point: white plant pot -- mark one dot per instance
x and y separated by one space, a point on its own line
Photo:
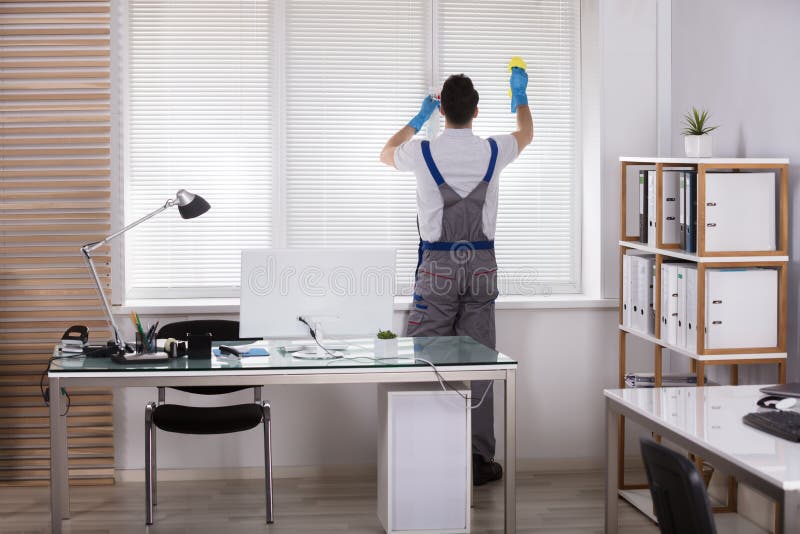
386 348
697 146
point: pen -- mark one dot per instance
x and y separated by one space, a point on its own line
138 324
152 337
150 333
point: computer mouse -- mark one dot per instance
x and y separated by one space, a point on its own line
225 349
786 404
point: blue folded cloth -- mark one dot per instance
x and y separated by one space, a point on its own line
253 351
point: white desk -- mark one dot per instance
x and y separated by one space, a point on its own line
457 358
708 422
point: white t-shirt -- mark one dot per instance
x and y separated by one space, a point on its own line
463 159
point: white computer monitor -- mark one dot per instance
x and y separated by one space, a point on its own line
344 292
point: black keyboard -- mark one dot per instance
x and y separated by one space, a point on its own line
784 424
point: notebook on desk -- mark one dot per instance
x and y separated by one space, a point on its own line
251 351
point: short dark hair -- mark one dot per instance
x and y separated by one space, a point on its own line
459 99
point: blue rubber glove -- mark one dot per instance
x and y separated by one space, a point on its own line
519 84
429 105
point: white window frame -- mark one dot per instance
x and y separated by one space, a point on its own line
120 157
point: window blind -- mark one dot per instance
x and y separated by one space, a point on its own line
199 112
355 74
538 220
203 85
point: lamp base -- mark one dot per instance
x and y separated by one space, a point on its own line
105 351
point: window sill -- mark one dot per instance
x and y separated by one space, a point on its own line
217 306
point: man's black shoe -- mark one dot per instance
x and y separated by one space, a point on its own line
484 471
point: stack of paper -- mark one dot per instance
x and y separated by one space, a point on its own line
648 380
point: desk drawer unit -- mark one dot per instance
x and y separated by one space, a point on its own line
424 459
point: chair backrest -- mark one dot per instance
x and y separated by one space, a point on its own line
679 495
220 329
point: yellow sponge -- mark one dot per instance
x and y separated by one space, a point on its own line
517 61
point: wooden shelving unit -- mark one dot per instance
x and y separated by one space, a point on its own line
701 356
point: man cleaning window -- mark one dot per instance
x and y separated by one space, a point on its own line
457 195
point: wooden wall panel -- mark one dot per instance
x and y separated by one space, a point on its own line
55 195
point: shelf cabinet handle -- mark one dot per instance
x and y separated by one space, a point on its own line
711 225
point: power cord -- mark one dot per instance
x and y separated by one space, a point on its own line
443 383
314 337
46 391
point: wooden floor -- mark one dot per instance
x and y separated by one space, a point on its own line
559 503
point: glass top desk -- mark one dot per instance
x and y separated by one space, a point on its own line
707 421
455 358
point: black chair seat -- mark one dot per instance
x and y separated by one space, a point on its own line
214 420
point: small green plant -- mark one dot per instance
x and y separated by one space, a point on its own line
386 334
695 123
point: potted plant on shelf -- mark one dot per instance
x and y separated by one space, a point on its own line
386 344
697 141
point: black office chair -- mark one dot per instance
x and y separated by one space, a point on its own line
204 420
679 495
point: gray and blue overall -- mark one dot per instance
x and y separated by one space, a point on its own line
456 285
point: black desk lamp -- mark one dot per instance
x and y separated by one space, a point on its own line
189 206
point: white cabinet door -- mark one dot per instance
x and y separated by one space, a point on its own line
740 211
741 308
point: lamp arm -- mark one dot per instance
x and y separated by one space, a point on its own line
87 250
91 247
106 306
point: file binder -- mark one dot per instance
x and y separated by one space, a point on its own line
741 308
641 294
652 224
643 206
691 308
681 317
646 266
670 208
740 211
682 208
689 236
651 319
641 288
626 290
669 303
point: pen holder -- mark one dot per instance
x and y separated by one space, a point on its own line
199 346
141 345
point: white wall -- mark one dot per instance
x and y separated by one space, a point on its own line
738 59
628 46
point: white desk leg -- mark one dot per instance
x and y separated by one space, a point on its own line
59 477
790 512
511 451
612 444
